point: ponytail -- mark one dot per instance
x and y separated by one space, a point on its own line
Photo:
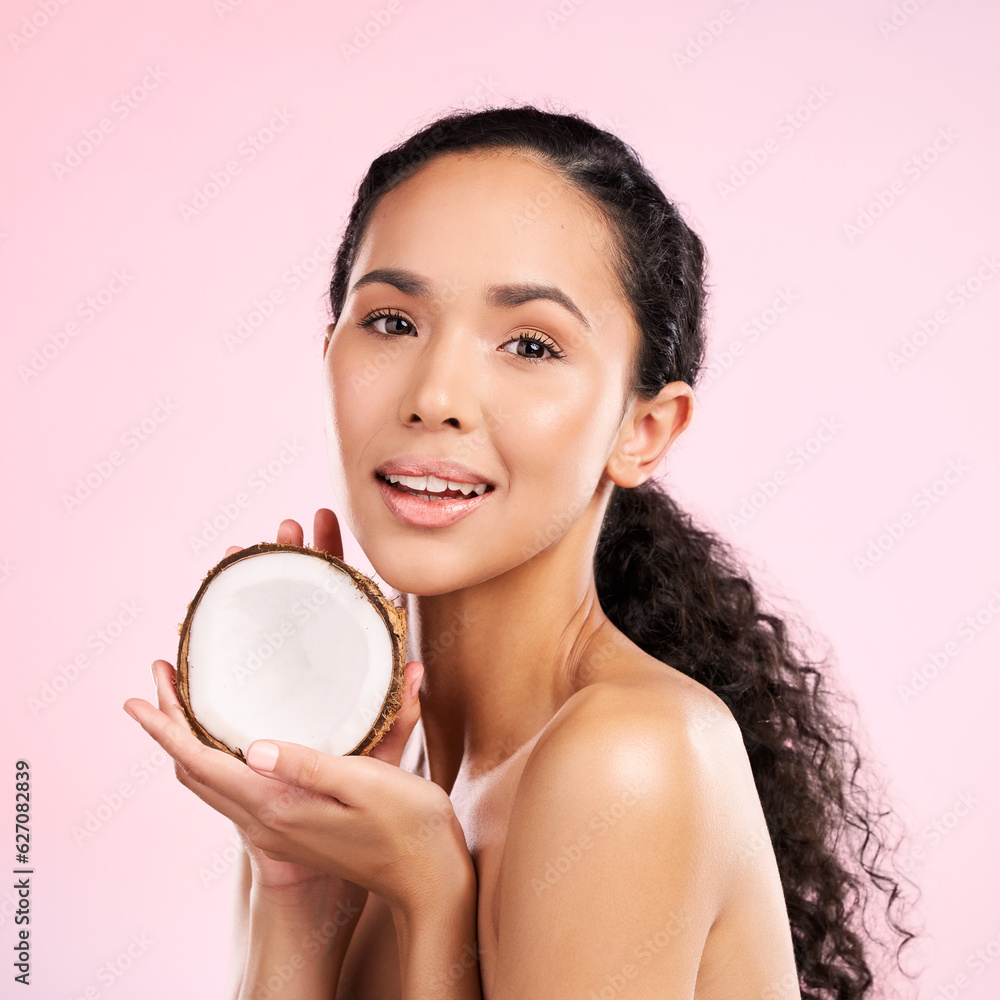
678 592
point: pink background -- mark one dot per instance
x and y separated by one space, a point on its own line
208 76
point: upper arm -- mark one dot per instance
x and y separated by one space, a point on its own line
614 866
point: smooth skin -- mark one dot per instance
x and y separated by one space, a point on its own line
605 799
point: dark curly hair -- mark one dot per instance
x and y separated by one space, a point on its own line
677 590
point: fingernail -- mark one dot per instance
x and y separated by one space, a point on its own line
130 712
152 670
262 755
415 685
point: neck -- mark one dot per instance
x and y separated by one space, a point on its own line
501 657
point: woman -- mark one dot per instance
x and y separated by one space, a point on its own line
618 778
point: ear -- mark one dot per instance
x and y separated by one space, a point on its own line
326 339
647 431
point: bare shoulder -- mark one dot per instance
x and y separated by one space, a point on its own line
638 701
623 830
646 733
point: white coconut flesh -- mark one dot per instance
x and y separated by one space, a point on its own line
284 645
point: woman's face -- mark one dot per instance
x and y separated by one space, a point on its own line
453 375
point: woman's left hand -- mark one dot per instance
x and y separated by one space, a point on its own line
358 818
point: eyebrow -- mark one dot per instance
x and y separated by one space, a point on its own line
507 296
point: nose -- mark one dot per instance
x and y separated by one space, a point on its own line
442 386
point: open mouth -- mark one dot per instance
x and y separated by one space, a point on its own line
450 491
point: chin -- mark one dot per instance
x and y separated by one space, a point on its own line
415 572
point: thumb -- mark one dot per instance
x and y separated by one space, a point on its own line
390 747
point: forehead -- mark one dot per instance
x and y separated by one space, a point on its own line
470 219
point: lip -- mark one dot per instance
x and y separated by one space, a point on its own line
410 509
419 465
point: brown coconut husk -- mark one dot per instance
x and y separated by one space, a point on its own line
395 622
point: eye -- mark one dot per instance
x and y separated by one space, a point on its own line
537 344
534 352
387 314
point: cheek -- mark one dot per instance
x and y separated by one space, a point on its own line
557 451
357 385
351 413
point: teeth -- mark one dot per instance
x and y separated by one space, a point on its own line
435 485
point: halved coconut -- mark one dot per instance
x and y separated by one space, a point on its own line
290 643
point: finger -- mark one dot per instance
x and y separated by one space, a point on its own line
217 778
326 533
165 679
290 532
390 747
192 756
343 780
237 784
198 763
232 549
